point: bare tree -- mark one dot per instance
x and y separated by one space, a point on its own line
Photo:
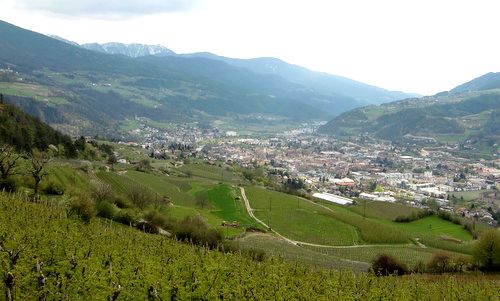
8 161
202 200
140 196
101 191
38 162
112 160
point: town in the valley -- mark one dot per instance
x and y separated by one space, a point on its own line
341 170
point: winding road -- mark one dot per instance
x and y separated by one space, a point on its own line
302 243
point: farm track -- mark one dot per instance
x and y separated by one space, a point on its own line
302 243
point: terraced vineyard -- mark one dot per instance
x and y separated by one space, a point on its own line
408 254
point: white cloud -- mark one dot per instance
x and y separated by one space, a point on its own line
107 9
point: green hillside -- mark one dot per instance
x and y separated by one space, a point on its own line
25 132
449 117
57 256
322 82
485 82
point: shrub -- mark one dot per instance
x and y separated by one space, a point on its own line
471 227
121 202
197 231
419 267
126 217
8 184
385 265
101 192
86 167
256 254
447 216
252 253
106 209
461 263
487 250
144 165
83 207
158 219
440 263
53 188
413 216
140 196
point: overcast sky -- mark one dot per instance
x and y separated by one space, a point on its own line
421 46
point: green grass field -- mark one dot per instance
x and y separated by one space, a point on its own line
37 92
66 175
211 172
468 195
372 230
435 226
298 219
435 232
226 206
118 183
383 210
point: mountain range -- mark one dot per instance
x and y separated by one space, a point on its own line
82 91
130 50
322 82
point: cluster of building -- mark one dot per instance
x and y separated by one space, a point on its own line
374 170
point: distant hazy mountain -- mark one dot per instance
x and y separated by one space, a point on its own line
63 40
485 82
321 82
130 50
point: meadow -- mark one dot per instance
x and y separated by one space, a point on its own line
383 210
298 219
211 172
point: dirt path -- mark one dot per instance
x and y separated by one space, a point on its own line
296 242
250 212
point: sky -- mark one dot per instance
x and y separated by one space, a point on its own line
418 46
